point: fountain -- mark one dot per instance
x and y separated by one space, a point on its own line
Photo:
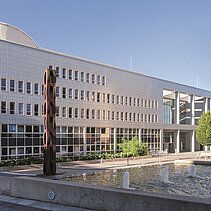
126 180
192 170
164 175
171 179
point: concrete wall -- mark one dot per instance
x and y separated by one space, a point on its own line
102 198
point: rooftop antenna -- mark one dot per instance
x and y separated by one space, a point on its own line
197 81
130 63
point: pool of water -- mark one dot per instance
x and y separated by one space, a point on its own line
147 178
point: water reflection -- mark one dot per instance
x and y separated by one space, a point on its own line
147 178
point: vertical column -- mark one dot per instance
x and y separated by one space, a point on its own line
0 141
206 148
84 137
192 104
161 139
193 141
177 107
178 141
139 135
205 104
115 140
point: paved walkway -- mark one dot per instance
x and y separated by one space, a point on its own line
74 168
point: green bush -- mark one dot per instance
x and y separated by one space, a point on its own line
133 147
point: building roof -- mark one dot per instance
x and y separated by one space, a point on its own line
13 34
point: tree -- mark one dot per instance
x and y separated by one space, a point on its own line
203 132
133 147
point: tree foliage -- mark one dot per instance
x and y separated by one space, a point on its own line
133 147
203 132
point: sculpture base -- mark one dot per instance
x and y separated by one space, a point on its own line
49 165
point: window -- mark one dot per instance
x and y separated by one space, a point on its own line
70 112
3 107
76 75
93 114
112 99
82 76
64 112
130 116
98 114
28 87
82 113
142 117
12 85
3 84
20 86
76 94
82 95
76 112
112 115
98 79
145 103
63 92
12 107
103 81
138 118
42 89
87 77
130 101
93 96
64 73
125 116
134 117
103 97
98 97
57 111
126 101
109 115
70 74
71 93
104 115
57 91
28 109
36 109
20 108
117 116
87 113
36 88
138 102
93 78
108 98
134 101
87 95
57 72
121 116
117 99
142 103
122 100
12 128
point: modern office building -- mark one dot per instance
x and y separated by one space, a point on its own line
97 104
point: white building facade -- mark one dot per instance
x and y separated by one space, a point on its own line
97 104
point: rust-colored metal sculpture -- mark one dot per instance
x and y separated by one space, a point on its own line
49 138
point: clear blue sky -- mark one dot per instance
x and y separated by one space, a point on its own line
169 39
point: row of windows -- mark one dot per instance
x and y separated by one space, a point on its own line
19 86
80 76
34 109
10 108
69 112
104 98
